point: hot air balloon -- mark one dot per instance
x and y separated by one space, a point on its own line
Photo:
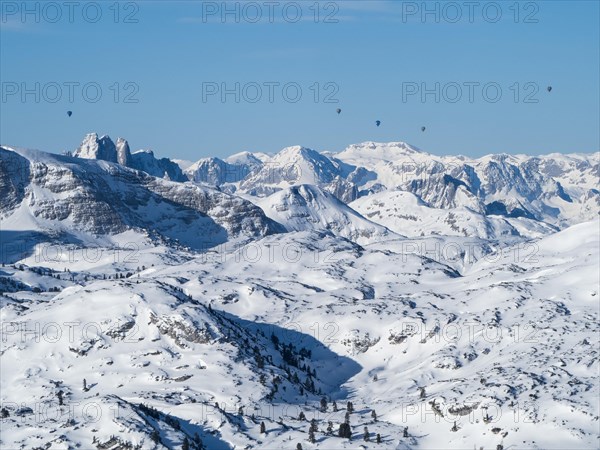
423 129
69 113
378 122
549 88
339 110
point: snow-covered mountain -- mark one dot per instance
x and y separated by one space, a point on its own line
556 189
298 165
252 161
380 297
217 172
507 185
306 207
559 190
54 195
103 148
405 213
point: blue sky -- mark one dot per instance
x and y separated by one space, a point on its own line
364 54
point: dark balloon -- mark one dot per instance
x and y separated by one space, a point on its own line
69 113
378 122
339 110
423 129
549 88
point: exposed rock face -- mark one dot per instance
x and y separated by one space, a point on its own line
105 149
183 331
123 152
300 165
556 189
217 172
14 177
545 188
68 194
342 189
93 147
145 161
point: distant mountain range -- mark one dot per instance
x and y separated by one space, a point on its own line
363 193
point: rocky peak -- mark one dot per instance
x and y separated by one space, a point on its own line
93 147
123 152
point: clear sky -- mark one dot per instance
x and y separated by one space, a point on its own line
374 57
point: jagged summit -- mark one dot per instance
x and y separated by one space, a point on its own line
123 152
555 189
93 147
105 149
92 198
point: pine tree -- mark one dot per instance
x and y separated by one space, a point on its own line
198 441
375 377
366 437
59 394
263 428
374 415
185 445
350 407
85 385
323 404
329 427
378 439
345 431
454 427
299 447
311 436
313 425
405 433
335 407
155 436
301 416
275 340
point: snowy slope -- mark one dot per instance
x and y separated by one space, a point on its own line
306 207
57 194
217 172
506 349
298 165
406 214
553 188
